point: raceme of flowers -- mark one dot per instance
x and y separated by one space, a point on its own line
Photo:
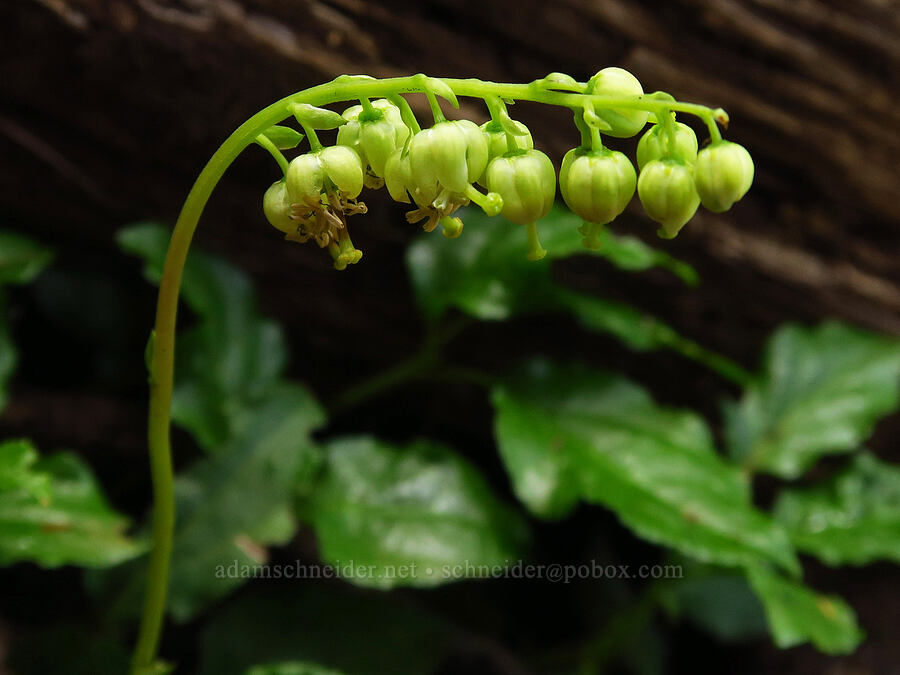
441 168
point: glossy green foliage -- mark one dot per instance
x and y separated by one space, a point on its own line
233 504
568 433
53 513
414 516
419 515
489 278
231 358
232 396
854 518
720 601
820 392
21 260
797 614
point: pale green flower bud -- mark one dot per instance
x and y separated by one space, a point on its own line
374 139
655 145
397 175
618 82
497 139
526 180
453 153
401 182
309 175
666 190
596 185
723 174
277 207
498 143
477 156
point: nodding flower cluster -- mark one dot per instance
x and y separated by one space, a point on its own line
436 169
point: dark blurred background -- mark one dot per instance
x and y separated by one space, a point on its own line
109 109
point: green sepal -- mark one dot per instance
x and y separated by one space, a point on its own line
559 82
440 88
283 138
317 118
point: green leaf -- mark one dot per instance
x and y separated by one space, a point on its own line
569 432
8 353
284 138
409 516
317 118
21 258
232 358
17 471
852 519
333 625
232 504
630 326
442 89
291 668
821 391
718 600
53 513
797 614
488 276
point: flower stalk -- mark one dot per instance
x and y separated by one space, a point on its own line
554 90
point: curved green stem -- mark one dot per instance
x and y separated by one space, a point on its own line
596 141
436 111
730 370
583 130
311 136
406 113
263 141
535 250
420 365
367 106
163 361
667 121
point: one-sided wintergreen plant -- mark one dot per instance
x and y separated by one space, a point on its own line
380 142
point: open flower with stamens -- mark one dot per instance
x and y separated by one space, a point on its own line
437 168
435 204
319 191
